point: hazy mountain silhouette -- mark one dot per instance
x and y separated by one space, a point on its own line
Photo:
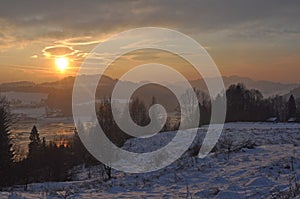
268 88
60 92
295 92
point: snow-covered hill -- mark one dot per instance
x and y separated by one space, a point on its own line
268 167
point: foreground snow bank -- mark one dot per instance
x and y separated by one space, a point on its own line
270 170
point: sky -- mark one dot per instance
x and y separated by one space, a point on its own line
256 39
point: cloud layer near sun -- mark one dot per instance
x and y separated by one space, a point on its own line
247 38
58 51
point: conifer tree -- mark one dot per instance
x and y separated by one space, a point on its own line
35 143
291 106
6 152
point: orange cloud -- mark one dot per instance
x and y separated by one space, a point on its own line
58 51
80 41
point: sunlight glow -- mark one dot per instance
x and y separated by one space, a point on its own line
62 63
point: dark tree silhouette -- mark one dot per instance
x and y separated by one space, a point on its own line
138 112
291 107
108 123
155 120
81 154
249 105
6 151
35 143
236 103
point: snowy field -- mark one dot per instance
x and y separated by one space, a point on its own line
266 164
25 98
39 112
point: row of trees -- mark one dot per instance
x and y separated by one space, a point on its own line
139 114
45 161
242 105
250 105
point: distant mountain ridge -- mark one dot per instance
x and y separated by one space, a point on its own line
268 88
295 92
60 92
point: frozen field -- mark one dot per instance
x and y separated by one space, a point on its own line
268 167
25 98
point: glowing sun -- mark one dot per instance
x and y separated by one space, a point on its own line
62 63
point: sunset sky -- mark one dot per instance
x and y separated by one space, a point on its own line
256 39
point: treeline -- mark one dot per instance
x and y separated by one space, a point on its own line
249 105
139 113
46 160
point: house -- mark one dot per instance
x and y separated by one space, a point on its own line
292 120
272 119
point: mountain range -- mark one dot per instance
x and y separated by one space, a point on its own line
60 92
267 88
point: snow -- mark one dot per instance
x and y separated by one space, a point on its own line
25 98
268 170
39 112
